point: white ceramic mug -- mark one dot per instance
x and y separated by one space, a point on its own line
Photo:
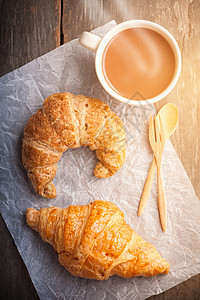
98 45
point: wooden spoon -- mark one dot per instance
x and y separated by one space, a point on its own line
169 115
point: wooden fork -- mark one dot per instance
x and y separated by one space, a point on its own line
157 142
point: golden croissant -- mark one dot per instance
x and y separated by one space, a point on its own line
94 241
68 121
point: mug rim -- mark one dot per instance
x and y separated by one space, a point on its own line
137 24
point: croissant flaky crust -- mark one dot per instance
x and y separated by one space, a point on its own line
69 121
94 241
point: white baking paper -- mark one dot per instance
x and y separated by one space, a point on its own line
71 68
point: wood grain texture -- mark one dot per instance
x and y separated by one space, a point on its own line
31 28
188 290
15 282
184 23
28 29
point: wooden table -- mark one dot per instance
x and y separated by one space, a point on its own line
30 28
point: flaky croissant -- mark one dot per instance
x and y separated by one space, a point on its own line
94 241
69 121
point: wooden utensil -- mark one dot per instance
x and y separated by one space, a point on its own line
169 114
157 142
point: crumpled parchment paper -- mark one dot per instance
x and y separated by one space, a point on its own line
71 68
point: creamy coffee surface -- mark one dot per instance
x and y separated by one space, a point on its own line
138 63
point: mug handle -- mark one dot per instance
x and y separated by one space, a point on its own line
89 40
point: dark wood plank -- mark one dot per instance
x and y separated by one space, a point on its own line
15 282
28 29
188 290
82 15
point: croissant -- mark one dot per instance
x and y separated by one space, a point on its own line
69 121
93 241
